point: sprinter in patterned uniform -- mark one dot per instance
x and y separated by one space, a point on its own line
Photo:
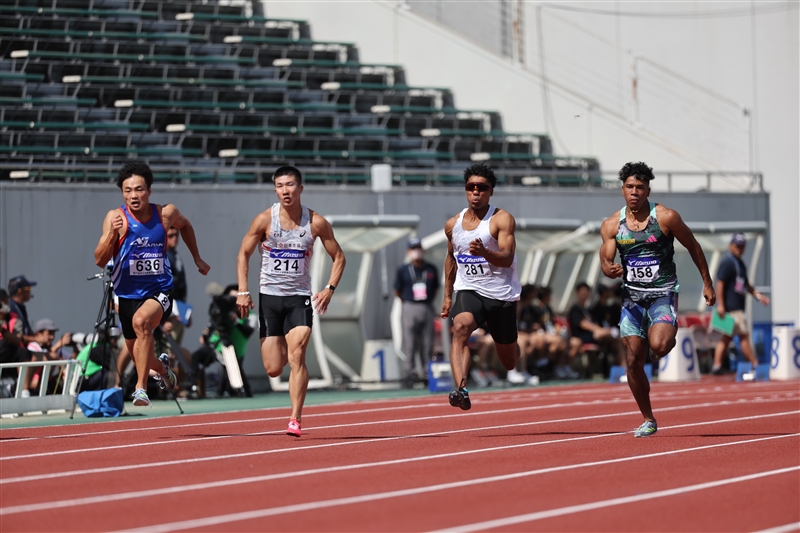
285 235
644 232
135 237
481 267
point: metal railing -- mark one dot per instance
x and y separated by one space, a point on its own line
676 180
43 402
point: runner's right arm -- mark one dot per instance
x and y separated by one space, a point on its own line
608 232
112 226
256 234
450 269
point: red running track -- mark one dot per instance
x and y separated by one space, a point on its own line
726 458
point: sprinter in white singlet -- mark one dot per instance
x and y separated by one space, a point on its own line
481 267
285 235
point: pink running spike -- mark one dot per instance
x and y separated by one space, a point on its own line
294 428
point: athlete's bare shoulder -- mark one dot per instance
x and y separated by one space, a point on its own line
610 225
261 224
502 220
319 224
668 219
450 224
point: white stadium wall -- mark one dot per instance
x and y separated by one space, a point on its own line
697 66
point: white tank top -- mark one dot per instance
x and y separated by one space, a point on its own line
475 273
286 257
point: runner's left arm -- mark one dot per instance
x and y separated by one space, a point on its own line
326 237
172 217
506 242
673 222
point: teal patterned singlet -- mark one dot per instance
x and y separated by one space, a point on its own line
647 258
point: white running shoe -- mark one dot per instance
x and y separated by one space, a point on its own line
515 377
479 377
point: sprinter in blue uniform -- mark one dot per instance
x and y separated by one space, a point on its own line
135 239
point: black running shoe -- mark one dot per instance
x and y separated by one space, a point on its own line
460 398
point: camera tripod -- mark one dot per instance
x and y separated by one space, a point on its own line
106 320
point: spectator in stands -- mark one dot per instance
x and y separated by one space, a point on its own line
607 311
11 349
587 331
732 286
43 349
552 339
19 290
416 284
484 359
527 337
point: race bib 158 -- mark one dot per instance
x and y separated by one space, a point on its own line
642 269
285 262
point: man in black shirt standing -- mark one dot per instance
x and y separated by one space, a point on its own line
732 285
416 285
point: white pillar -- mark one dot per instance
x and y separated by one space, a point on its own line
785 353
681 363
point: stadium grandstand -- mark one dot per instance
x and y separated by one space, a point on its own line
206 92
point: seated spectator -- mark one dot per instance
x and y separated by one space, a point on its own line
527 337
484 359
586 331
11 349
607 311
43 349
551 341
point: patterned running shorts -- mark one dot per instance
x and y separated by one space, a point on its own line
638 316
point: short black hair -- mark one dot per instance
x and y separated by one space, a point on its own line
582 285
135 168
482 171
638 169
544 292
3 295
288 170
527 291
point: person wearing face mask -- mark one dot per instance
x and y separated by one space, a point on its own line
733 286
416 284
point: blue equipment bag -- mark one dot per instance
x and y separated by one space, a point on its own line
106 402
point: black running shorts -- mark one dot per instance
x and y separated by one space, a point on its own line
129 306
277 315
497 316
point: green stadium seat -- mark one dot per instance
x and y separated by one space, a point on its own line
110 35
22 54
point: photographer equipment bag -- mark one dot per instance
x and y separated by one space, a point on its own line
97 403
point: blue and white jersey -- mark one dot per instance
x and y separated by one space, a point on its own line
286 257
141 268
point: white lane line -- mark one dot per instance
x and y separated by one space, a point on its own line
220 422
572 509
379 422
480 398
782 529
92 500
310 506
103 470
317 428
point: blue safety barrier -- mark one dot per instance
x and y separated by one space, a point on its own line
618 372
